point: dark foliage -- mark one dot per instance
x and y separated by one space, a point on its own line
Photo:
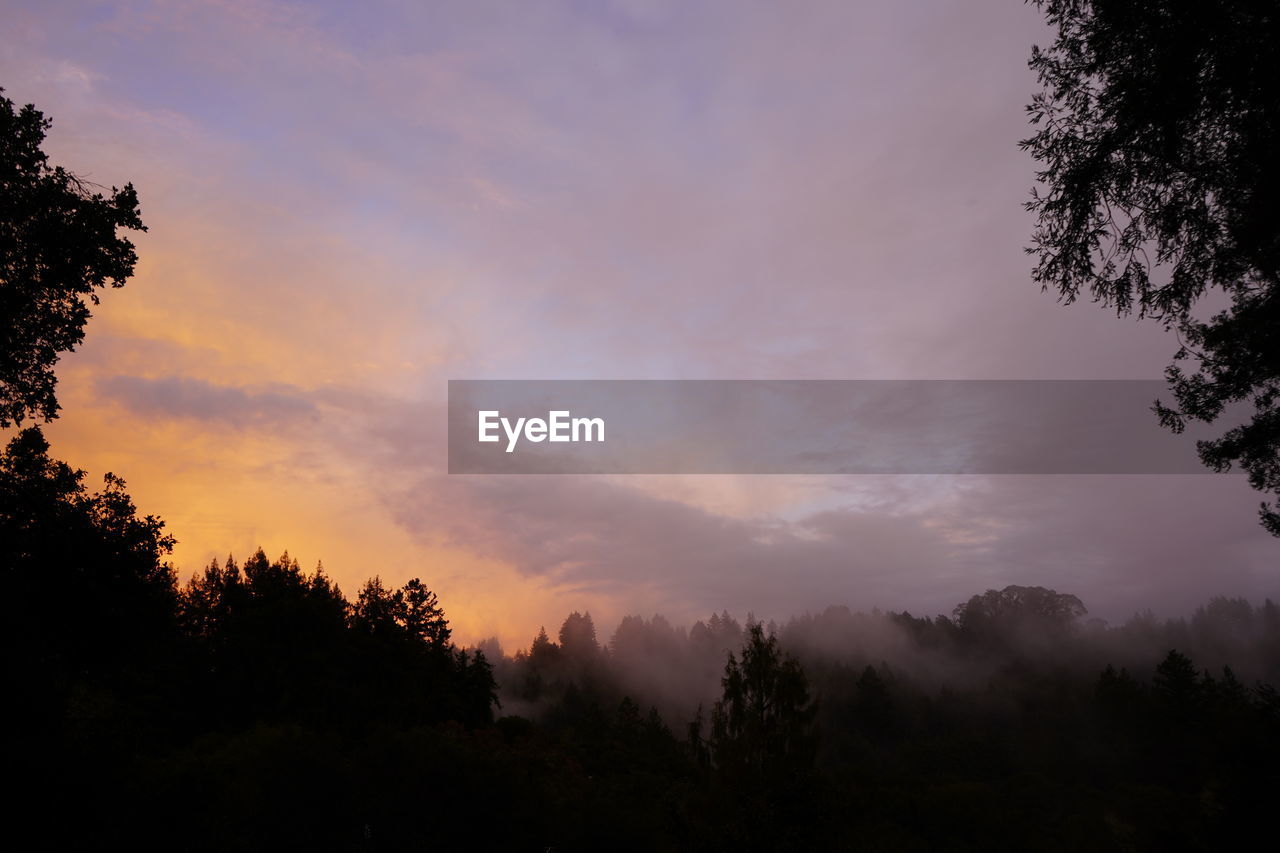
58 246
232 713
257 708
1158 130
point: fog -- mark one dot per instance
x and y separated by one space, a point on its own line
985 645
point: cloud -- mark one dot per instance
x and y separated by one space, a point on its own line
175 397
348 208
1122 543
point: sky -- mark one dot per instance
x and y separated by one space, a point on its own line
350 204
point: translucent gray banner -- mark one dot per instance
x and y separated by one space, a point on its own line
812 427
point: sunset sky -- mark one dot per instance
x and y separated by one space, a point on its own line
350 204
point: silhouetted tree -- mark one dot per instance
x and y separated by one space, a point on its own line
1018 612
378 611
86 574
1159 135
412 612
423 616
762 744
92 645
543 652
762 723
58 247
874 705
578 637
273 640
1178 685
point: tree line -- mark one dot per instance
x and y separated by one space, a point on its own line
256 707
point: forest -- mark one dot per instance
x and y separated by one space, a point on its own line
256 706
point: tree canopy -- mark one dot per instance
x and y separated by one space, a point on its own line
762 722
1158 132
59 245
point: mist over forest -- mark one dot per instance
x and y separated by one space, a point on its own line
260 703
985 641
721 216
